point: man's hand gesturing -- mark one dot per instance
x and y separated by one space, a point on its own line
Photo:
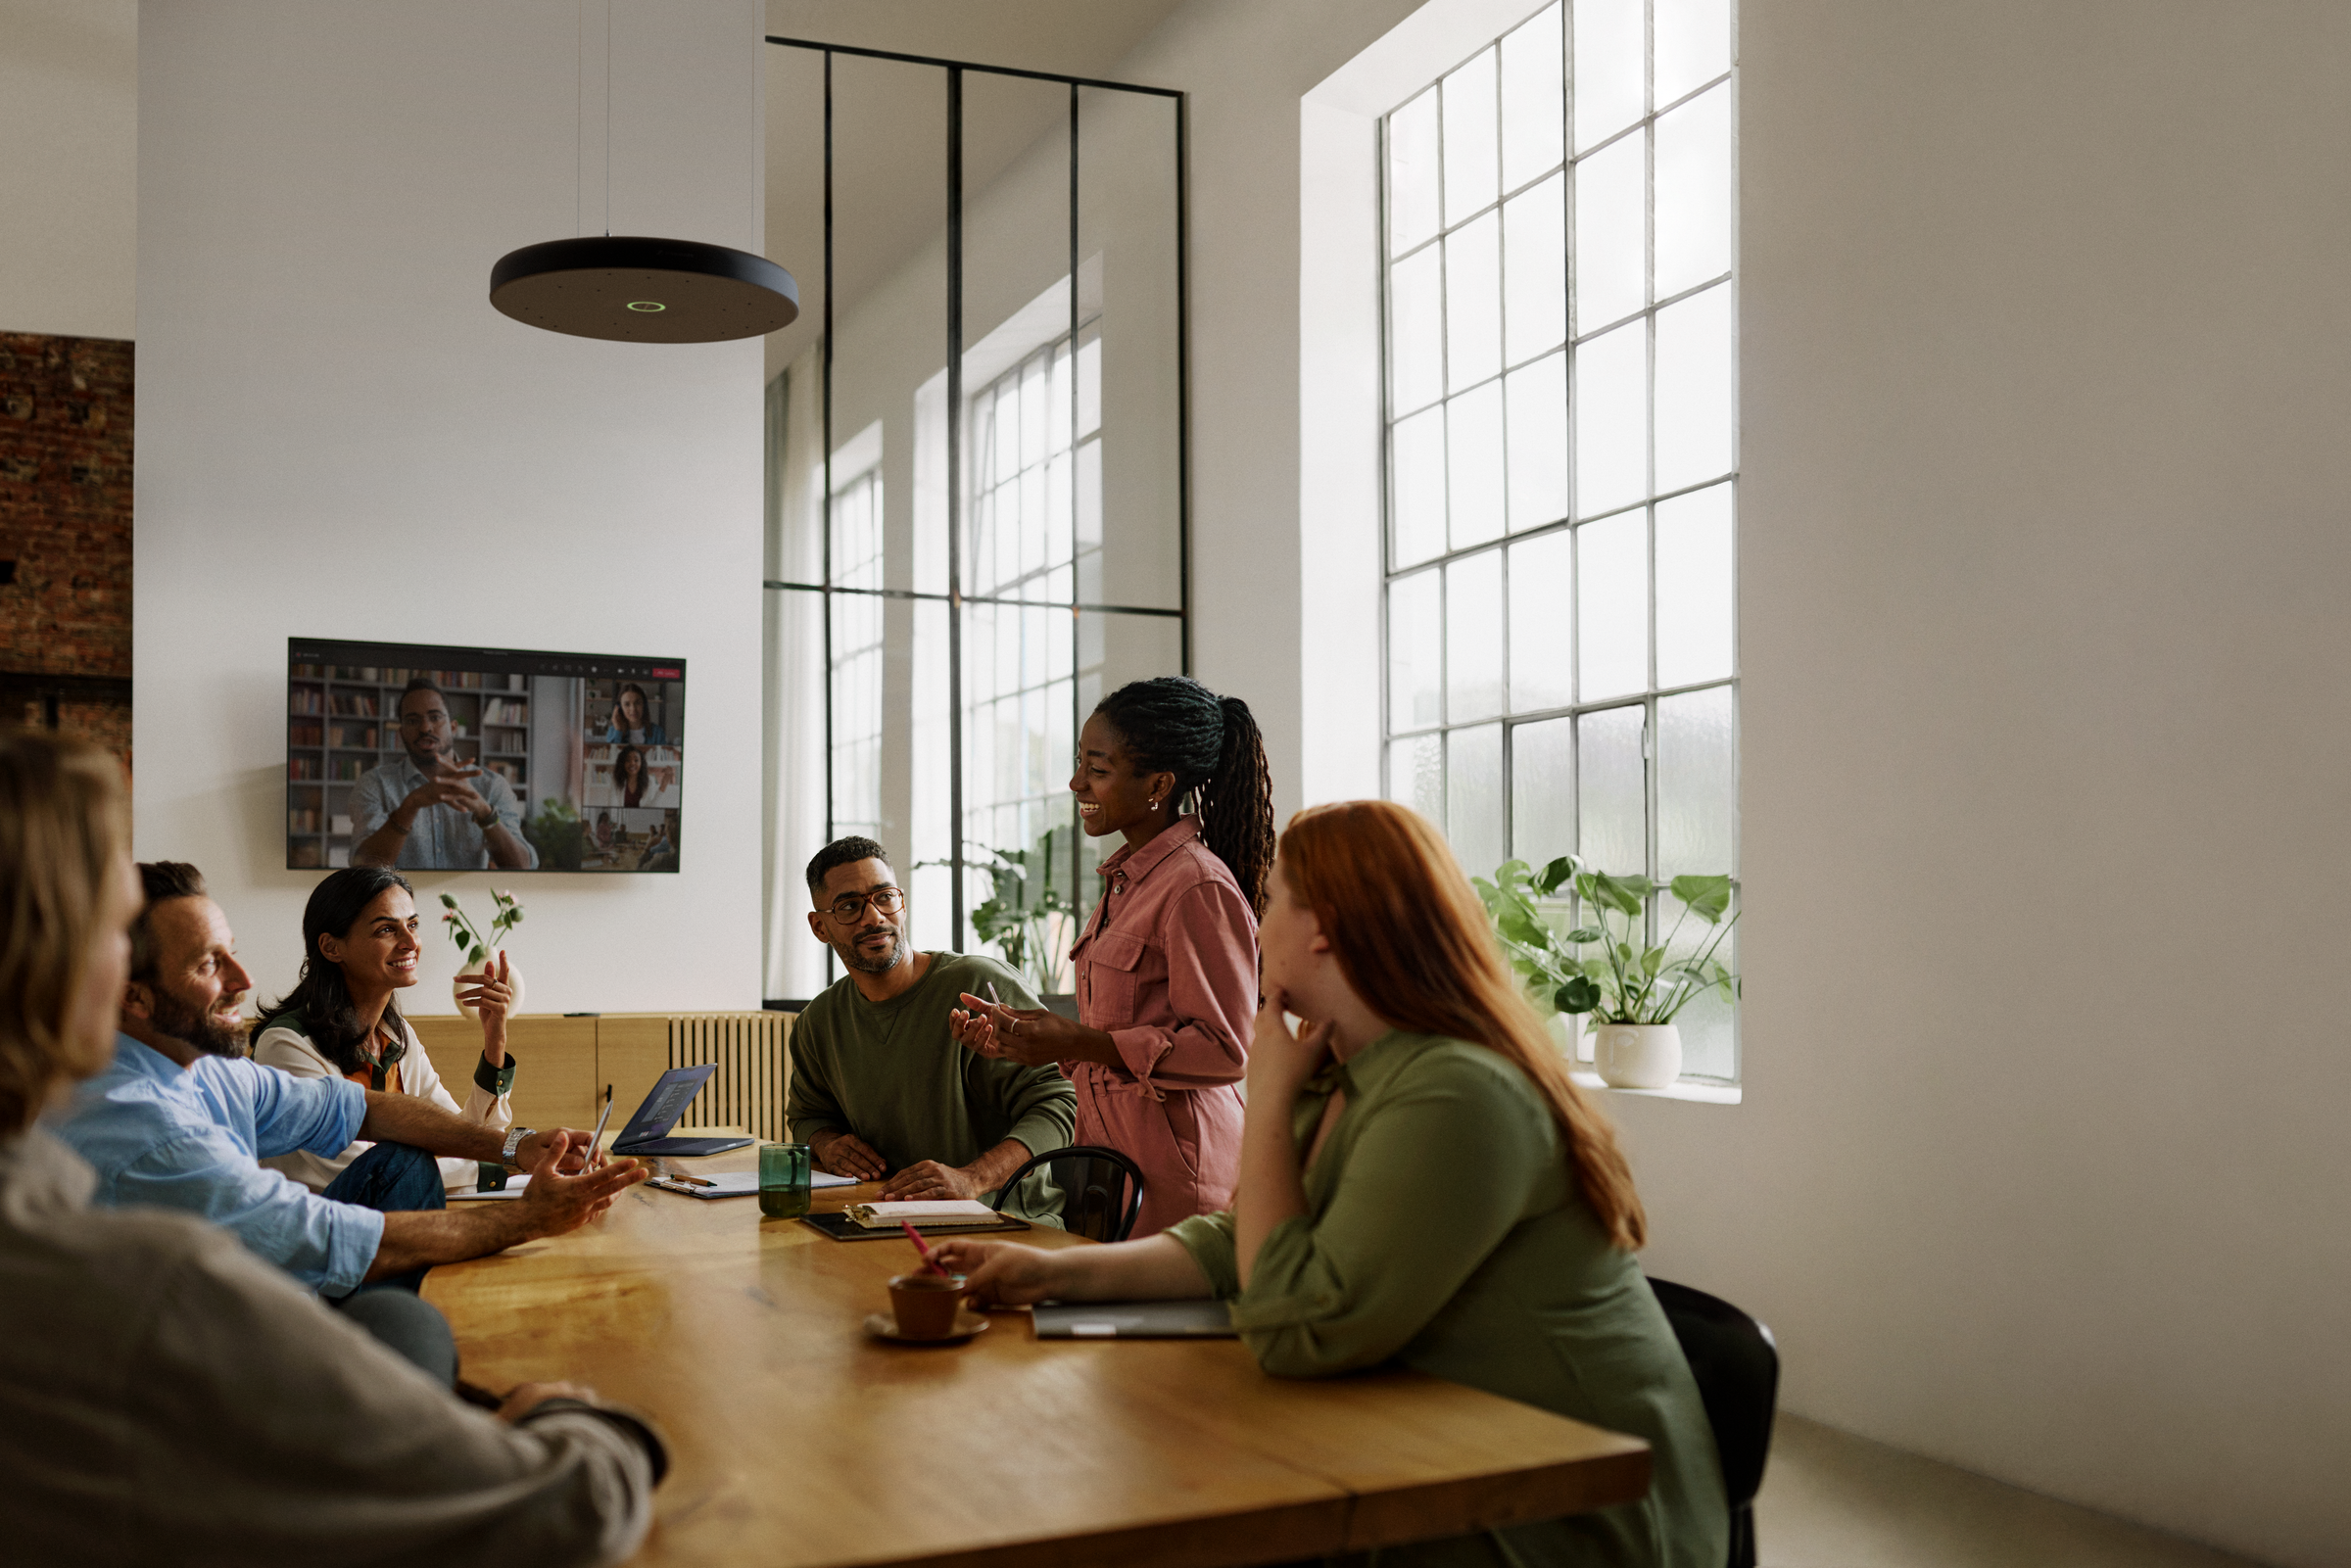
448 785
555 1203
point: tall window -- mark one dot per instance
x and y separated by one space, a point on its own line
856 656
976 478
1562 452
1037 484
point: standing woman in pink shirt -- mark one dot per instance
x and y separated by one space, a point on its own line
1167 967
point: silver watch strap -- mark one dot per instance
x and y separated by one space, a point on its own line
515 1137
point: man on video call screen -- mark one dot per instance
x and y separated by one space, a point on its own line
427 758
427 810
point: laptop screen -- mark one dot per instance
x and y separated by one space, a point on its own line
668 1102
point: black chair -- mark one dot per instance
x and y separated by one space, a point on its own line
1101 1190
1737 1365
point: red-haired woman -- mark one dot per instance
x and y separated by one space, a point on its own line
1422 1183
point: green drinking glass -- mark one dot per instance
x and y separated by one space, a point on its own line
783 1180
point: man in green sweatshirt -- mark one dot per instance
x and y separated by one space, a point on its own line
879 1088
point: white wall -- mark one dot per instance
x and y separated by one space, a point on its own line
2041 1165
69 176
339 437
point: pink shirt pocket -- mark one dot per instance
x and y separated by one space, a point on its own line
1108 982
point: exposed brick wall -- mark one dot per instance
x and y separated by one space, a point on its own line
66 430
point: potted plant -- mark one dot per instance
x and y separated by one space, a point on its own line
1535 939
1631 990
480 951
1032 920
559 833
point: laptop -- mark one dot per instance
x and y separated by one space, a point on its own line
1133 1320
648 1131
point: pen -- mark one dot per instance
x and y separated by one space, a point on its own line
931 1263
694 1180
596 1141
1014 1027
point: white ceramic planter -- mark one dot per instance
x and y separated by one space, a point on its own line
456 986
1638 1055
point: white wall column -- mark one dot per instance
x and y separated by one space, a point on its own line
339 437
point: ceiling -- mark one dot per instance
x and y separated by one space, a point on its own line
1074 37
890 122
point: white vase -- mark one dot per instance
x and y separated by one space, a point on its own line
1638 1055
456 986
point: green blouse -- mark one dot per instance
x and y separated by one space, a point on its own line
1444 1231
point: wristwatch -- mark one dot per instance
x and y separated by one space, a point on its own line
515 1137
487 820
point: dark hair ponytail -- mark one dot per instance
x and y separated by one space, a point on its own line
1173 723
321 999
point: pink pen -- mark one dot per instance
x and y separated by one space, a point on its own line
915 1236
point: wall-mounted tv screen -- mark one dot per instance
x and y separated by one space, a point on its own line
466 759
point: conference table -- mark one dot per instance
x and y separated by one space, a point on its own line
798 1441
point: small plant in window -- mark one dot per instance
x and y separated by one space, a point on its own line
1029 917
1625 981
1533 939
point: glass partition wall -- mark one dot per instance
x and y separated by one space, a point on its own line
976 485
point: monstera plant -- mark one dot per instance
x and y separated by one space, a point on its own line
1605 966
1030 915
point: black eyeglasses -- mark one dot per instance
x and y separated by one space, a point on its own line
848 906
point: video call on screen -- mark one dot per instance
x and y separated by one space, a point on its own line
590 748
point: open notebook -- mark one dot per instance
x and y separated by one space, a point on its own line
936 1214
879 1222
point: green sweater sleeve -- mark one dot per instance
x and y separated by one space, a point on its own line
1435 1178
1209 1239
1040 1104
809 1105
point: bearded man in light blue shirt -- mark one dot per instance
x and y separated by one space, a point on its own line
181 1120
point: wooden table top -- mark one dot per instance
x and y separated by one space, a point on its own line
799 1442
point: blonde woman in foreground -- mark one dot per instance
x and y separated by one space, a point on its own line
1422 1184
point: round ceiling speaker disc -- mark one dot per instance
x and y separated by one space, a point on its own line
636 290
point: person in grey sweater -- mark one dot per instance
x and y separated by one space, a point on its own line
166 1397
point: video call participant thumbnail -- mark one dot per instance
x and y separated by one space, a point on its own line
429 811
627 722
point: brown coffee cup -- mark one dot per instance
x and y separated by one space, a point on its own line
926 1305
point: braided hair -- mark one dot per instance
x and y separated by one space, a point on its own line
1173 723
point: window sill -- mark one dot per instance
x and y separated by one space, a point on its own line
1686 1090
